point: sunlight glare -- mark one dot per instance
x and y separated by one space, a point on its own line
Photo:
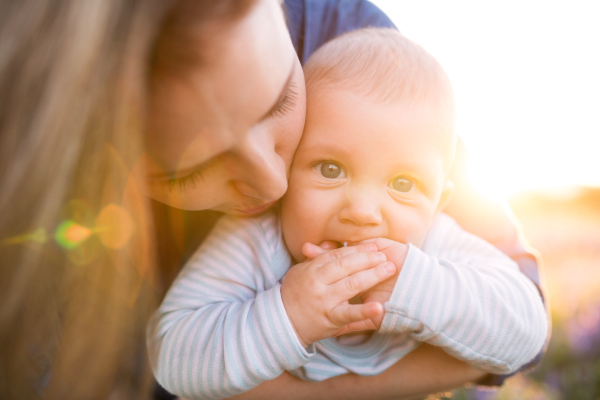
70 234
525 76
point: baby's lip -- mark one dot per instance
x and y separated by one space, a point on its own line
345 243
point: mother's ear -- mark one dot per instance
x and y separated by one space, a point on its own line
447 191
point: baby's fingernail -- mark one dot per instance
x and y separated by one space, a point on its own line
372 247
390 267
381 257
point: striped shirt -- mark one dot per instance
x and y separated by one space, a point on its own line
222 328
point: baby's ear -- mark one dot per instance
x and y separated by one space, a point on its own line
447 191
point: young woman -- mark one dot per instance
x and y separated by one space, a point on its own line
205 99
222 135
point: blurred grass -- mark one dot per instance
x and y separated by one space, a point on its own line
565 229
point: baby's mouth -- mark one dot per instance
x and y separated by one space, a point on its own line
345 243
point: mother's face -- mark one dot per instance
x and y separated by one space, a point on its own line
222 136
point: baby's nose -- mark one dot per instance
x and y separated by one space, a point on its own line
362 209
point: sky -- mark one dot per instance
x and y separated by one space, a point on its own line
526 75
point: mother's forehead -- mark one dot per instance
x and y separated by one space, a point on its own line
205 111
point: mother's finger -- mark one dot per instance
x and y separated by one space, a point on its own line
352 285
340 268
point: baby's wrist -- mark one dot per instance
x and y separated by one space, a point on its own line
291 319
302 342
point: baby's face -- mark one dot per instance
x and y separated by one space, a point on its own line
365 170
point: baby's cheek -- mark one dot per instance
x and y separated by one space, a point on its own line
295 237
409 228
292 224
420 231
303 219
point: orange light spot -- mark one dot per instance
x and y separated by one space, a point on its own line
77 233
114 226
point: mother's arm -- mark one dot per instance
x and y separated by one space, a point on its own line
424 371
492 220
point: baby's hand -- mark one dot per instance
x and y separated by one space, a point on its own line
379 293
315 293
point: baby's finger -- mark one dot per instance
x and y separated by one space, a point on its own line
340 268
329 245
364 325
341 252
312 251
381 243
352 285
395 251
345 313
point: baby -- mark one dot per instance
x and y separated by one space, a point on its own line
370 174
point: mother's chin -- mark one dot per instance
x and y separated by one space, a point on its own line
252 211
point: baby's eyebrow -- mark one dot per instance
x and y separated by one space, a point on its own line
424 172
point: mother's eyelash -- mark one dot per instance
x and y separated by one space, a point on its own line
190 180
287 103
184 182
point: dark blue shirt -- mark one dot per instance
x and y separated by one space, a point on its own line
313 22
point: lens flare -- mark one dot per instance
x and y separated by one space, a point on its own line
37 236
69 234
114 226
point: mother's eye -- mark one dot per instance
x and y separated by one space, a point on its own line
402 184
330 170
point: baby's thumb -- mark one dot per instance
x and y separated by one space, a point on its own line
312 251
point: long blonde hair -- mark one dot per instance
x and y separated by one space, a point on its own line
73 298
77 271
74 295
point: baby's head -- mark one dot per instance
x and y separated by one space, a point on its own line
378 143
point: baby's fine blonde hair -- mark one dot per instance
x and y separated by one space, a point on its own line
383 65
386 67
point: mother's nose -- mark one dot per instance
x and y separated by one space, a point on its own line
260 171
362 207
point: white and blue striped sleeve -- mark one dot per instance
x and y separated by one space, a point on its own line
464 295
222 328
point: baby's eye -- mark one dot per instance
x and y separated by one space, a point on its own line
330 170
402 184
